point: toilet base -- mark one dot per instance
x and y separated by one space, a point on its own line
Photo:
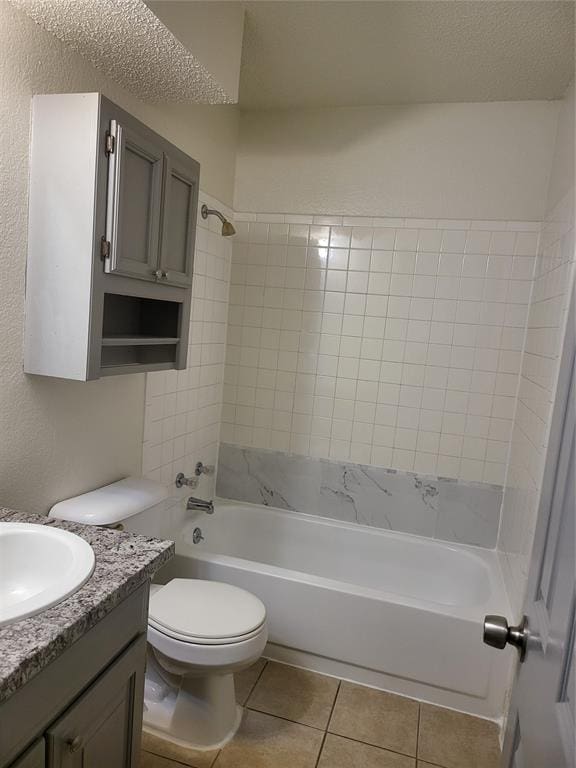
198 712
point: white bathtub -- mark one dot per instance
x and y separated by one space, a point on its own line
386 609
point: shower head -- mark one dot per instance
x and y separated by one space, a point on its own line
227 228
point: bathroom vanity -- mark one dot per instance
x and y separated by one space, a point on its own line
72 677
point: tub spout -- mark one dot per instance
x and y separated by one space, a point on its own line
199 505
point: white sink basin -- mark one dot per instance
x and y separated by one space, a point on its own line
39 566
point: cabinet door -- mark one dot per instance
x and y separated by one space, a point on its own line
134 203
33 757
178 221
103 727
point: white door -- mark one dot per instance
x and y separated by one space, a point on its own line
541 728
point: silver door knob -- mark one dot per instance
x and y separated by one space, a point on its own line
158 274
499 634
165 275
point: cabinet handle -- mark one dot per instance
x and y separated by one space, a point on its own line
165 275
158 274
74 744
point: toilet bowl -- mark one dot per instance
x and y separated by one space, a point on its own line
199 633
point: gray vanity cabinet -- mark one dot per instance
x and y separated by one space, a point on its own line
84 709
103 727
135 168
35 757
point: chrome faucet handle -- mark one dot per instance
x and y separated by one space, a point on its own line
182 480
202 469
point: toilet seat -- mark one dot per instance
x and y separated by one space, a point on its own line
184 638
205 612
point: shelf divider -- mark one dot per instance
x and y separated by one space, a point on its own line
137 341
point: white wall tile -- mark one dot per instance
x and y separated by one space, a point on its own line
411 327
553 271
183 408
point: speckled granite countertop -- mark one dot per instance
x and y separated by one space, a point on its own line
123 562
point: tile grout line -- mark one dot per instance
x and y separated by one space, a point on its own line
349 738
285 719
377 746
251 691
327 725
244 706
168 759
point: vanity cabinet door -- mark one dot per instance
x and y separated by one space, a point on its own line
135 168
178 220
33 758
103 727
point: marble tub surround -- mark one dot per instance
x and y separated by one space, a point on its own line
123 563
426 506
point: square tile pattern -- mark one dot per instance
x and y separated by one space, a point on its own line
294 718
385 342
182 412
553 278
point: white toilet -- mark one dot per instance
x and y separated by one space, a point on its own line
199 632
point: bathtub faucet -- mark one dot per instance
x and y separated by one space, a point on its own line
199 505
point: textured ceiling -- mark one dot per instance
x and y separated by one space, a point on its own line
125 40
309 54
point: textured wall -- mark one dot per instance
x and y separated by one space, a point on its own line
212 31
128 43
553 277
61 438
468 161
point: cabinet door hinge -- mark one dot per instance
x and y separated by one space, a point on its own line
110 143
104 248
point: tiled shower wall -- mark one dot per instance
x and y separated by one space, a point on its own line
553 283
553 280
182 417
386 342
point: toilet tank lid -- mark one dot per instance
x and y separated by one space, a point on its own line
112 503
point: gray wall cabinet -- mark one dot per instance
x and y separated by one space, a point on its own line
112 221
178 221
85 709
134 203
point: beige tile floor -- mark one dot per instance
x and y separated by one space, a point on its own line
299 719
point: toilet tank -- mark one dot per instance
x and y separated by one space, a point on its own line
112 504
